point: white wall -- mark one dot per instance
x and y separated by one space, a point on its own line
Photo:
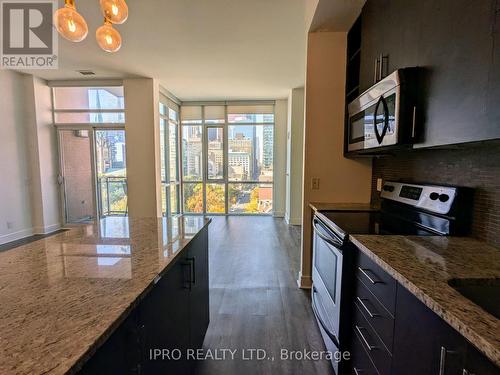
295 149
143 147
42 137
15 176
280 125
29 193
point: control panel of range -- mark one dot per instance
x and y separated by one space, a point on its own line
432 198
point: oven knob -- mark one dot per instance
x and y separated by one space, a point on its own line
434 196
444 197
389 188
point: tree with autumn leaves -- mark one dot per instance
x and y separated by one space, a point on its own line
215 198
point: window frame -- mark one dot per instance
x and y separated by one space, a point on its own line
226 181
169 182
87 85
91 127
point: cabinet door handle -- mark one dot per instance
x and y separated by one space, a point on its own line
192 270
375 73
442 359
368 345
381 67
364 272
372 314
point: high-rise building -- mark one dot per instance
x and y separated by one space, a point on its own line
239 162
242 144
268 144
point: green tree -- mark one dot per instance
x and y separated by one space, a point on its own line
253 205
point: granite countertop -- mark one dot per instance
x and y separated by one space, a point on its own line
425 264
325 206
62 296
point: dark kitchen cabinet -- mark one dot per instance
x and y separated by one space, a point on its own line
455 43
164 320
390 28
423 341
199 295
493 93
371 41
172 317
478 364
393 332
455 52
121 353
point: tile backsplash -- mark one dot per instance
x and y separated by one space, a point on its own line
476 166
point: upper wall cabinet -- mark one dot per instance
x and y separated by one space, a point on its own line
455 51
493 106
453 42
389 38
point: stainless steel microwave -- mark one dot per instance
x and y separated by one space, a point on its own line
384 115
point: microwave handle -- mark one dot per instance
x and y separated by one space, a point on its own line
380 137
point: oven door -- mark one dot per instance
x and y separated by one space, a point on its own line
327 277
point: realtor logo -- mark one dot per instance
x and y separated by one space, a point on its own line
28 39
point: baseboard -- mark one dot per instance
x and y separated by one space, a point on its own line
294 221
278 214
304 282
16 235
47 229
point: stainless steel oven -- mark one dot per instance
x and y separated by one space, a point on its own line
384 115
327 275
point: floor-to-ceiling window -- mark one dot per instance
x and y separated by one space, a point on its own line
169 156
227 158
90 123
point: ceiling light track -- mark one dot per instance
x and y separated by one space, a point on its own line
73 27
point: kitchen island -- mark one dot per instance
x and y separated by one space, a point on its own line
102 295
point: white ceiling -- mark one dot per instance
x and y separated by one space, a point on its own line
336 15
198 49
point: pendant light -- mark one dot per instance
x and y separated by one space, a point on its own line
69 23
116 11
108 38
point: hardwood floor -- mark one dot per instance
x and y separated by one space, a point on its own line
255 302
27 240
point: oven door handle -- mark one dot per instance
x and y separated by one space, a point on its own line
331 335
332 241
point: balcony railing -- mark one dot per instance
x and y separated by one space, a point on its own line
112 196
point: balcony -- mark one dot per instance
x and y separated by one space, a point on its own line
112 196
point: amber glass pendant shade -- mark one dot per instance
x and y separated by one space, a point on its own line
108 38
69 23
116 11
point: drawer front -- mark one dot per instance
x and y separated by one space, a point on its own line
374 347
375 314
361 362
379 282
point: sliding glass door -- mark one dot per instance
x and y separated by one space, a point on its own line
92 145
111 172
227 158
77 176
